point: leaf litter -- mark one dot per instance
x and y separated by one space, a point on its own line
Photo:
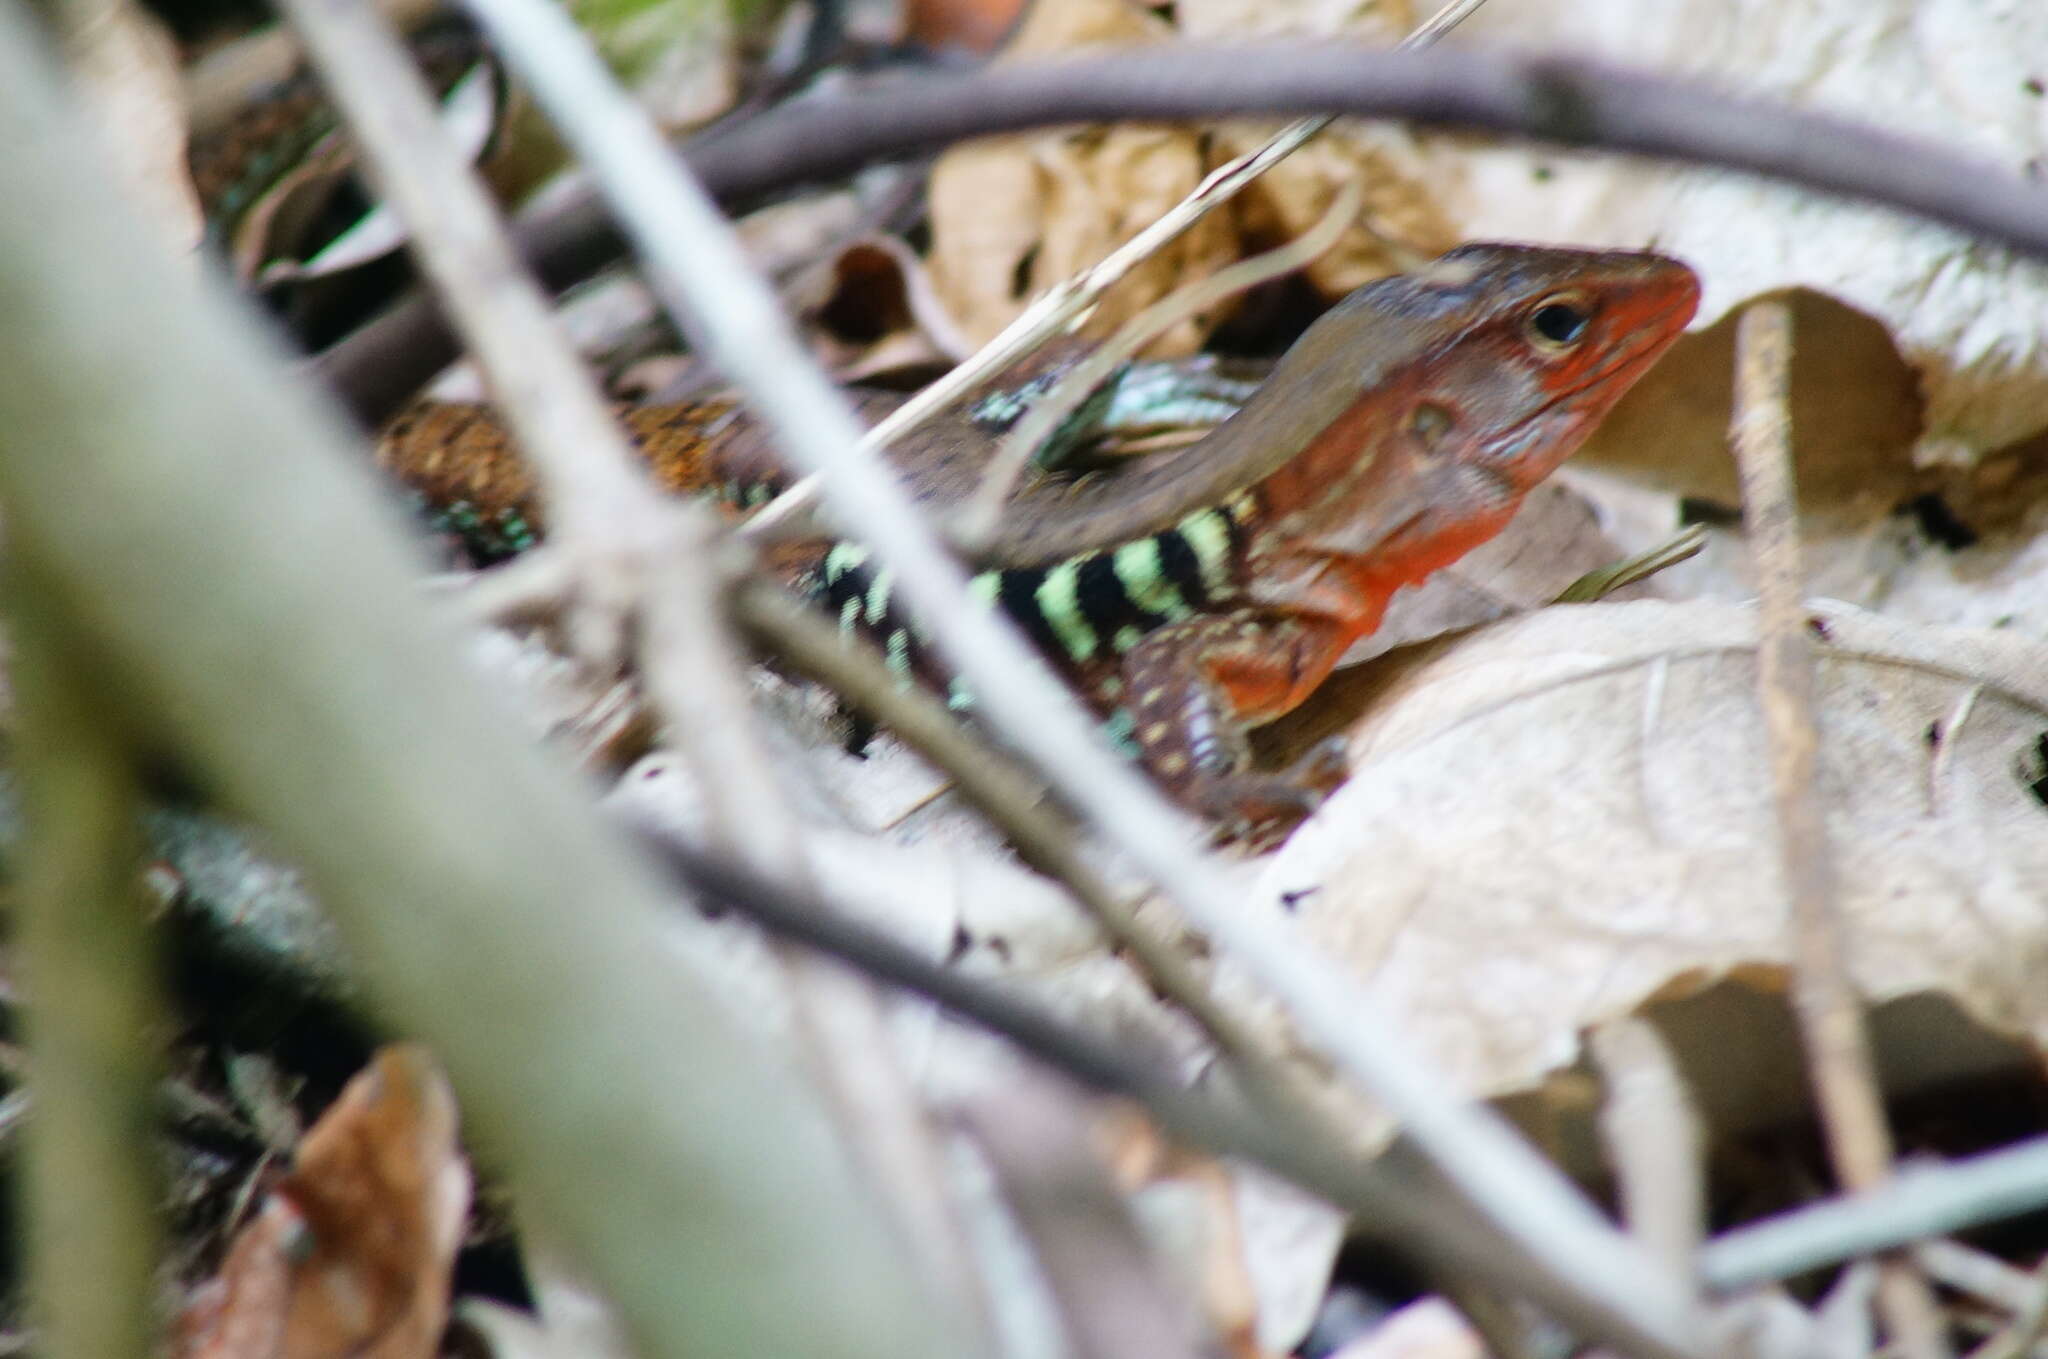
1563 818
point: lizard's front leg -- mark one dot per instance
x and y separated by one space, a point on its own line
1194 688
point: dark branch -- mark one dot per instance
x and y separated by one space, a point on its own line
1395 1198
1551 99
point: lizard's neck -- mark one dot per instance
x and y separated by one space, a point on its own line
1053 520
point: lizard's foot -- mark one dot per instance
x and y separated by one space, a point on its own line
1258 810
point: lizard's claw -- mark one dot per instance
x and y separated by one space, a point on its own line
1258 810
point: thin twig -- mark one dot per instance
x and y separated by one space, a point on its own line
1069 303
2029 1324
1013 802
696 267
92 1190
625 537
1654 1139
1095 1261
1824 999
1004 792
1390 1201
1920 1202
695 677
1969 1270
595 489
977 519
1553 99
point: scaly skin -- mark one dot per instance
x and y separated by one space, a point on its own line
1204 593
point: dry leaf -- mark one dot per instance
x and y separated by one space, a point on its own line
1403 219
351 1254
1558 817
1402 224
1856 414
1966 315
1012 216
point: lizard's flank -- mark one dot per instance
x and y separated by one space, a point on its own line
1203 593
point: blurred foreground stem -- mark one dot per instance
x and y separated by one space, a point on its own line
88 970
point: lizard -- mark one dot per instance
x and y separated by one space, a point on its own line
1204 593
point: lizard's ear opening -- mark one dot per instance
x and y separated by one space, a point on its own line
1559 321
1429 424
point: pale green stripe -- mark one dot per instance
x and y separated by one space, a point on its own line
1142 573
843 557
849 615
899 651
878 596
1060 604
1208 533
986 586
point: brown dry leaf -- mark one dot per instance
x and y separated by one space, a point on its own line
469 114
1965 315
1856 416
1942 544
1405 222
1012 216
352 1252
278 217
873 306
1856 412
1554 819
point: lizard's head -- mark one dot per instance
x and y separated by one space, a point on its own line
1533 347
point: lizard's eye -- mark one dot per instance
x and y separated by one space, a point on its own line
1558 322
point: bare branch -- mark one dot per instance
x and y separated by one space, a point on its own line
1830 1014
1654 1139
596 490
1105 1281
1389 1198
1008 796
1920 1202
1562 100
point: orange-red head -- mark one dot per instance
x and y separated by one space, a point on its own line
1441 397
1545 344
